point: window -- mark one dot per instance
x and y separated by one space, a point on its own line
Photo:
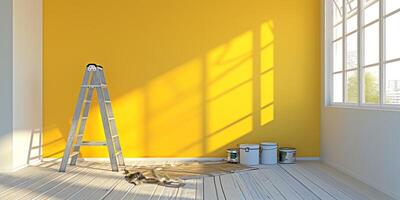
363 52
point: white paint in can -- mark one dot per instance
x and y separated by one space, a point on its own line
269 153
287 155
249 154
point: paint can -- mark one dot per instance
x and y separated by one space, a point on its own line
233 155
249 154
287 155
269 153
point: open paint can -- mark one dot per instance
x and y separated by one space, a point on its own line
287 155
233 155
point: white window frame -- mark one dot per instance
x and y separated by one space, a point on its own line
328 56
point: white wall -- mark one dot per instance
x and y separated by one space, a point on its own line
20 80
364 144
27 77
5 84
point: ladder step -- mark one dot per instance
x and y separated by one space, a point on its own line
115 136
84 117
118 152
87 101
92 143
107 101
74 154
111 118
94 86
35 147
34 157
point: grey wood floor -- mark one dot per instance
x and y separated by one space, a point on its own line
306 180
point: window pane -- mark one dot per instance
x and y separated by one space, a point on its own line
337 11
392 5
338 31
352 86
338 56
351 7
393 83
351 24
371 44
338 87
371 13
392 36
369 1
371 85
351 54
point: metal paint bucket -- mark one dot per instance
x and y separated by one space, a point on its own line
269 153
249 154
233 155
287 155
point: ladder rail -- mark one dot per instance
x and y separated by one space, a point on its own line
113 126
106 122
75 119
82 125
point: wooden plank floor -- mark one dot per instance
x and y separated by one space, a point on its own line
305 180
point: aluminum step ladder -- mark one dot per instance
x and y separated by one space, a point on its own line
93 79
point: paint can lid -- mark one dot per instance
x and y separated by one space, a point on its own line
287 149
232 150
250 146
269 144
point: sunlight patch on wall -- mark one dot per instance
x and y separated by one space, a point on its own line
267 88
229 65
267 72
229 93
54 143
267 114
129 112
174 111
267 46
229 134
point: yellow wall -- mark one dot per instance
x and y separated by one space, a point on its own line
187 78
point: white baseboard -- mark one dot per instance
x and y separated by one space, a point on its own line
308 158
19 167
157 159
16 168
143 159
170 159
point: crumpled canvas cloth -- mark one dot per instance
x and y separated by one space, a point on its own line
172 174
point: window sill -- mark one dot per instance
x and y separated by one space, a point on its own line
390 108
